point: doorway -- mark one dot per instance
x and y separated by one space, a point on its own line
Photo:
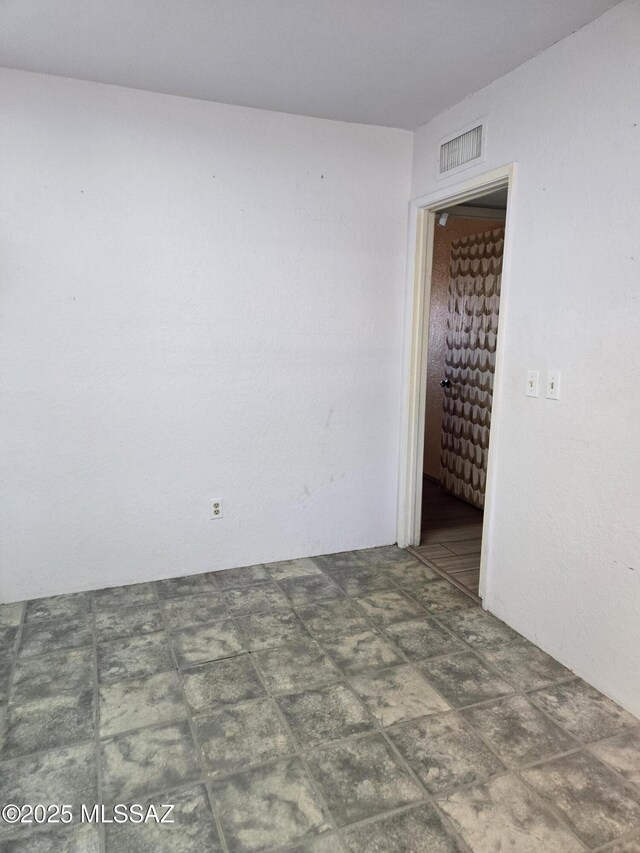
461 271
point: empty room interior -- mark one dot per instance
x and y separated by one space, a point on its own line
319 479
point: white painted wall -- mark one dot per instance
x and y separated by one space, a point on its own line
565 563
198 301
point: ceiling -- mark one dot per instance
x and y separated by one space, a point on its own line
387 62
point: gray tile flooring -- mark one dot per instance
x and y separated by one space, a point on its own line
350 702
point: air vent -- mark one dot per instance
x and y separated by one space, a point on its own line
461 149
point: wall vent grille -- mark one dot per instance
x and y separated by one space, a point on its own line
461 149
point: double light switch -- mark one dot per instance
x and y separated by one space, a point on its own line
552 391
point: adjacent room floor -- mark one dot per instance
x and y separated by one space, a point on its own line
451 536
353 702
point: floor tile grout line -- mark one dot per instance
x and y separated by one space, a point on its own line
14 657
145 728
434 617
516 691
430 564
500 700
410 593
415 667
382 630
387 666
312 602
58 649
532 765
509 771
354 600
629 783
530 695
36 753
354 673
413 775
433 798
315 785
580 747
632 835
372 624
95 708
418 804
384 731
14 662
552 809
294 847
361 735
515 771
225 776
153 794
65 617
350 827
478 652
247 638
455 563
110 682
473 649
196 742
343 678
377 727
446 793
102 839
527 695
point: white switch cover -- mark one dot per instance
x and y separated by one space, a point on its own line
553 385
533 382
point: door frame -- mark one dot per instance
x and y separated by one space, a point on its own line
422 218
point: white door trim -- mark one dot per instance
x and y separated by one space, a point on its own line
420 254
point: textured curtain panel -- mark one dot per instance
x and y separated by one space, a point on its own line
472 328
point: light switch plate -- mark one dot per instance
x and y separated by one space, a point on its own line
533 383
553 385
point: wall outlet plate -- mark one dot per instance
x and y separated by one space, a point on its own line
215 508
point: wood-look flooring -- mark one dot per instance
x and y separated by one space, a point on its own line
451 536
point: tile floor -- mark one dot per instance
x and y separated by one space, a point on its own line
451 536
353 702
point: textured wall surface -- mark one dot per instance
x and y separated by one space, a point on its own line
198 301
454 228
472 337
564 564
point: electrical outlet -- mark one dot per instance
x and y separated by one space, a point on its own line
533 382
215 508
553 385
